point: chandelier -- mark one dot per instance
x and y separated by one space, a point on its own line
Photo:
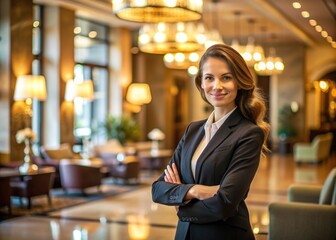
150 11
183 61
180 60
161 38
252 53
272 65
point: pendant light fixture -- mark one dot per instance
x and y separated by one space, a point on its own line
252 53
153 11
161 38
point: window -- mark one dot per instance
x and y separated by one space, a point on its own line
91 57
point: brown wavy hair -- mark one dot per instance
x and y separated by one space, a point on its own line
249 98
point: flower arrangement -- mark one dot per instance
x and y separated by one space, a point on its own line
25 134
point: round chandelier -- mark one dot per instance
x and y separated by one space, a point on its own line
150 11
161 38
252 53
181 60
272 65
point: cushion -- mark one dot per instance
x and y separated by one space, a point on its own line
57 154
328 194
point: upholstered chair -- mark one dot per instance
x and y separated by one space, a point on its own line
126 169
310 213
33 185
316 151
77 175
52 157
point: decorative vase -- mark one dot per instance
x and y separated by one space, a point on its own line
28 166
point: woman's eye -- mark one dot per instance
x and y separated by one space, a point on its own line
226 78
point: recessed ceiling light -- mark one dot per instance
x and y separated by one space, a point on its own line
312 22
324 34
77 30
329 39
92 34
296 5
318 28
305 14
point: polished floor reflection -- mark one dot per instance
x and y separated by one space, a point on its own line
133 215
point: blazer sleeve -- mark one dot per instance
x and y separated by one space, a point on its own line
169 193
234 184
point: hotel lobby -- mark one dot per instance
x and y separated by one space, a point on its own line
96 94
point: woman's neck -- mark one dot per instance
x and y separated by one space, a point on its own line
221 112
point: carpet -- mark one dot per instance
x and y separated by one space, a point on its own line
61 199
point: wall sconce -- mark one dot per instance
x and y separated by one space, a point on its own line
82 90
139 94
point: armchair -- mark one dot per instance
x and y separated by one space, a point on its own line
75 174
316 151
33 185
126 169
310 213
52 157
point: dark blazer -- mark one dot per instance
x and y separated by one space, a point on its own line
230 159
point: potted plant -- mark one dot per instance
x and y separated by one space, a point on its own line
123 128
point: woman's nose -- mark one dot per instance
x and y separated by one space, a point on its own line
217 84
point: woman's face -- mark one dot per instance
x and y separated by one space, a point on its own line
218 84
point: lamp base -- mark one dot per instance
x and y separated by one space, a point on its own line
28 168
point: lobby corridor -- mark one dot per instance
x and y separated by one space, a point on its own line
132 215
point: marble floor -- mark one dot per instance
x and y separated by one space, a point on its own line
133 215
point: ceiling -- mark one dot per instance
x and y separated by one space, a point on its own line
275 21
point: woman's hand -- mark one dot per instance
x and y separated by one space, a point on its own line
172 174
201 192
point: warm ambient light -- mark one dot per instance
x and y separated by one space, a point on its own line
82 90
29 86
272 65
161 38
181 60
324 85
296 5
149 11
138 94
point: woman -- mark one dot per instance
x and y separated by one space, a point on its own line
209 175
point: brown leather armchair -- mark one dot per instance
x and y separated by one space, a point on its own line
33 185
52 157
75 174
126 169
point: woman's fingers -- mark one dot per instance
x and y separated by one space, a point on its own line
176 173
171 173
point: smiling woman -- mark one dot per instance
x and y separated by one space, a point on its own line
209 175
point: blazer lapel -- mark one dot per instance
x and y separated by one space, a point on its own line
222 133
192 145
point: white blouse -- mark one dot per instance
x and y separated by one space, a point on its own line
210 129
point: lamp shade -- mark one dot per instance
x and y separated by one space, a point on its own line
138 94
156 135
29 86
158 10
84 90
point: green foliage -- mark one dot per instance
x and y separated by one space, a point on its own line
122 128
286 122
